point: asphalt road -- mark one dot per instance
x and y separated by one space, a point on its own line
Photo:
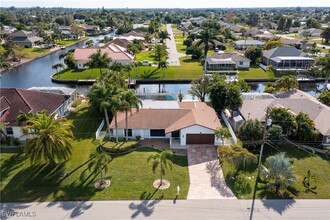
173 55
169 209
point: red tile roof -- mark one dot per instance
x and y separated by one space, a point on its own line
28 101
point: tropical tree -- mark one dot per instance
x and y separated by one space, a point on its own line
286 83
275 132
253 53
98 60
23 117
4 65
237 155
272 44
161 160
116 105
129 100
305 127
50 139
163 35
284 118
180 96
251 130
233 97
69 60
206 36
89 43
100 96
163 65
326 34
99 162
325 97
200 87
160 51
222 133
58 66
279 172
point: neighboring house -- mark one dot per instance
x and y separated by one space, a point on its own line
215 44
133 35
254 31
264 36
113 51
197 20
66 31
295 29
298 43
60 91
226 63
287 58
196 30
136 26
312 32
12 101
122 42
25 38
91 29
244 44
255 106
181 123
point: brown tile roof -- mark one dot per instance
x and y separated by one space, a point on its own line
133 33
28 101
123 42
112 50
188 114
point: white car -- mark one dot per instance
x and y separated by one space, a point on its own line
146 63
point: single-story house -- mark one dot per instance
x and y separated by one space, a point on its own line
91 29
181 123
298 43
114 52
312 32
197 20
73 93
25 38
133 35
255 106
226 63
254 31
264 36
244 44
122 42
12 101
287 58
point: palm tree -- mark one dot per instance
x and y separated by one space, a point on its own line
238 155
161 159
100 95
129 100
98 60
116 104
279 172
99 162
163 35
286 83
4 65
222 133
163 65
50 139
160 51
23 117
206 36
58 66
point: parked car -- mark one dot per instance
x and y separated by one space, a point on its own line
146 63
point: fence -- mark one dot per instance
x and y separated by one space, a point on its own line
232 133
98 132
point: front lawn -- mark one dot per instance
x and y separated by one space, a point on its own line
76 74
146 55
242 181
32 53
255 72
131 176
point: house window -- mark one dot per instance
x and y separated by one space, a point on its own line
241 63
157 133
9 130
129 132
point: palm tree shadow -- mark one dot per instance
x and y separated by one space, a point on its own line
145 207
279 205
11 208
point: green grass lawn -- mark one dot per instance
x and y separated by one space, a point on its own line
65 42
255 72
146 55
32 53
131 176
181 48
78 74
242 181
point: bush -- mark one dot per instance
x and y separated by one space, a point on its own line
121 146
16 142
76 102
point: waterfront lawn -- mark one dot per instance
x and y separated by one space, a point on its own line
66 42
255 72
131 176
146 55
76 74
242 182
32 53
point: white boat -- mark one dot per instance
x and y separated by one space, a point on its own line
328 86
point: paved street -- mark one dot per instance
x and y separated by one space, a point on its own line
206 177
168 209
173 56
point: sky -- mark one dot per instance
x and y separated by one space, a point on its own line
165 3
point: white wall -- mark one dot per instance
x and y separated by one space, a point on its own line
196 129
244 65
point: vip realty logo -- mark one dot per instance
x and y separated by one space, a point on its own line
6 214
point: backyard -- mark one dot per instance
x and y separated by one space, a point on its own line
242 181
130 174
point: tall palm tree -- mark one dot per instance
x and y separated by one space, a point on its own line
129 100
98 60
116 106
99 162
23 117
279 172
50 139
100 96
58 66
206 36
222 133
163 35
163 65
161 159
160 51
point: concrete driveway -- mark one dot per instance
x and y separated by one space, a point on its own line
173 55
206 177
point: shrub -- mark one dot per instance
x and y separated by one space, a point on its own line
16 142
76 102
